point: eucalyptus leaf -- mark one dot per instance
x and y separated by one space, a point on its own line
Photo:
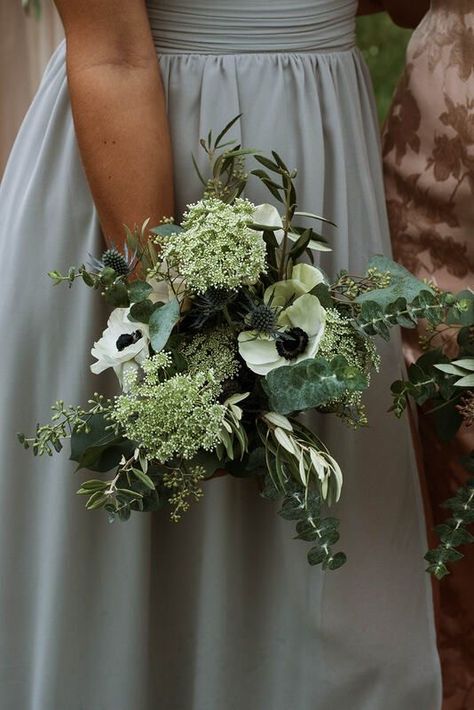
162 322
403 283
138 291
462 312
165 230
311 383
141 312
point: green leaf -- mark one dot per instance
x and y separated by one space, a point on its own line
96 500
336 561
310 215
322 292
317 555
225 130
465 363
403 283
88 279
267 163
138 291
144 478
117 295
311 383
162 322
462 312
93 485
98 449
439 570
467 381
141 312
451 369
165 230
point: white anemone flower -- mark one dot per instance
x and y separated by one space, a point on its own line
303 279
302 327
123 345
268 216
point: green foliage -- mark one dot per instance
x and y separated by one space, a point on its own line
304 507
65 422
99 448
311 383
32 5
402 284
383 45
376 318
162 322
453 532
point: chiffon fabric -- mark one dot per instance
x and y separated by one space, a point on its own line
429 177
221 610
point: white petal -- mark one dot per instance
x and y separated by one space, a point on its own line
308 275
305 313
257 349
267 215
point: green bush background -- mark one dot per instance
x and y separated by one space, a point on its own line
383 46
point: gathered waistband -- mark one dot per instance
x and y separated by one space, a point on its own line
244 26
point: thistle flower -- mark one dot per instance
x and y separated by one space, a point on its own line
112 258
207 305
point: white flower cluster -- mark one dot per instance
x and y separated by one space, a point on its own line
217 247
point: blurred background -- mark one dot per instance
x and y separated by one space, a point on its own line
28 41
383 46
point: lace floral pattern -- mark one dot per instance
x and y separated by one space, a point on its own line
428 147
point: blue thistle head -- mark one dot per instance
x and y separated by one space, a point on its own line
112 258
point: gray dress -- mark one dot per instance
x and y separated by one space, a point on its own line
221 612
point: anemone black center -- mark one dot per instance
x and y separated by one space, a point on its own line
126 339
292 343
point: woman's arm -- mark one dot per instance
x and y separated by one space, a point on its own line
406 13
368 7
119 111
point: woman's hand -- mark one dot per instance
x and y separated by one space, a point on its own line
119 111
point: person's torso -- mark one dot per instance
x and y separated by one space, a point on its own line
257 26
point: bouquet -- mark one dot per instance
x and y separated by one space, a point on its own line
223 333
442 381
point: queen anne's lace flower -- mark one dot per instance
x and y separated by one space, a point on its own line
217 247
214 349
173 417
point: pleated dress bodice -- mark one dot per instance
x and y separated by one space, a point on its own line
229 27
